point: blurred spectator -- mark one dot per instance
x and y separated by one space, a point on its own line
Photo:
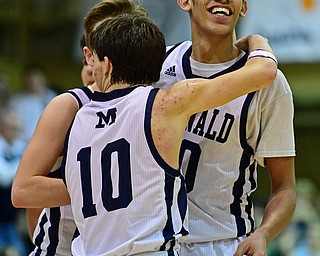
302 236
11 150
4 90
30 102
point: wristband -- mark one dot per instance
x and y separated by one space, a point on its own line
262 53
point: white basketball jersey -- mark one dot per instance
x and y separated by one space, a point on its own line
56 228
125 198
222 147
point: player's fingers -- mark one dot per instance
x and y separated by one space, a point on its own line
240 251
242 43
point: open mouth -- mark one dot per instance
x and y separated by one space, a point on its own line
221 11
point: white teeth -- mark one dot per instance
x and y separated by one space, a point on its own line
220 11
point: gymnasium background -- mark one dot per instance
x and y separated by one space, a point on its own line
47 32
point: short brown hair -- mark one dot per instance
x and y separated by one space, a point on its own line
134 45
106 9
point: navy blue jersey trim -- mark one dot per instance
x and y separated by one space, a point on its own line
64 159
244 165
83 88
243 124
53 231
182 204
77 98
86 90
39 238
250 151
55 174
237 193
188 72
249 206
147 129
168 231
171 50
170 176
103 96
76 234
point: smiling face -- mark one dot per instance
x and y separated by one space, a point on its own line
217 17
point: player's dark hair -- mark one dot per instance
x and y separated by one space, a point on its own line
109 8
134 45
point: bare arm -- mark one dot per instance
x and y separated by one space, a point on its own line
195 95
191 96
281 205
31 188
279 209
32 216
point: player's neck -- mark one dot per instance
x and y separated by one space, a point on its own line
94 87
116 86
214 50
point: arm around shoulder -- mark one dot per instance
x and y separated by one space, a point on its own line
196 95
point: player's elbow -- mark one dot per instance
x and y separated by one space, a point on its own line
269 73
18 197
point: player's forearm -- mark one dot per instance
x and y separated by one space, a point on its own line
260 72
278 213
263 70
40 192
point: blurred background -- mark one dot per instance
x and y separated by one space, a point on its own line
40 51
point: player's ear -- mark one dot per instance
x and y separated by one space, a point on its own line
87 53
244 8
184 5
107 66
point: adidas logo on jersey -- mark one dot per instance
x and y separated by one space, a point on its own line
171 71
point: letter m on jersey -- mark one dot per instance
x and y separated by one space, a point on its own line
107 119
